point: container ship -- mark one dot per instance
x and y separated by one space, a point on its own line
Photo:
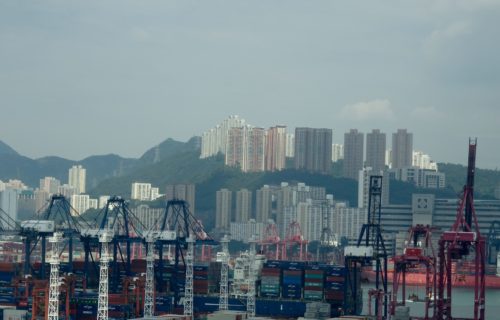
283 289
462 275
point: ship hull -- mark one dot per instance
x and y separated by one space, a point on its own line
418 279
86 306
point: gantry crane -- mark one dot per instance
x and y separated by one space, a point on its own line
33 232
58 216
294 237
270 238
57 219
224 274
463 238
370 249
8 226
149 302
175 227
188 286
105 237
127 229
329 246
252 272
419 251
53 309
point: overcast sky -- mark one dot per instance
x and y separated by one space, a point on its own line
79 78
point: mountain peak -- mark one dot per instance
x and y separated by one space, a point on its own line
169 147
6 149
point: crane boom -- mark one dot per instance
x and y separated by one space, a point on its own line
469 186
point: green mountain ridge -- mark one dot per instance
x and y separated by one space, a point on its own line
485 180
30 171
185 167
210 175
6 149
168 148
173 162
99 167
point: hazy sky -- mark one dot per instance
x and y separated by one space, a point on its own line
92 77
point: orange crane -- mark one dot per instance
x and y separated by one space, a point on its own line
270 238
294 237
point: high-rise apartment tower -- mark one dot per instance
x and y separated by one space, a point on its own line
275 153
353 153
402 149
375 150
76 178
223 208
243 205
313 149
245 148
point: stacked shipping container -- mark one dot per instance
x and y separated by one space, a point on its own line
281 283
7 273
303 281
292 284
299 280
313 283
335 284
200 279
270 281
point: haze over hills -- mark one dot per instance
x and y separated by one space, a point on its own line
6 149
178 162
99 167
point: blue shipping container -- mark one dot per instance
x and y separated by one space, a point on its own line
292 279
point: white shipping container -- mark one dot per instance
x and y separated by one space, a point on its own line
90 233
360 251
227 315
239 274
168 235
13 314
39 225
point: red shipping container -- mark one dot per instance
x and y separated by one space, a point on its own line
334 296
292 272
413 251
117 299
311 288
335 279
200 283
200 273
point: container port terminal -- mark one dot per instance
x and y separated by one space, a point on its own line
115 268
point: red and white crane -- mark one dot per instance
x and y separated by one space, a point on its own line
461 241
417 253
270 239
294 238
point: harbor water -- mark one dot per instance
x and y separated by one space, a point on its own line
462 302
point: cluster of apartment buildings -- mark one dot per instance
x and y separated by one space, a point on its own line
401 162
257 149
144 192
16 197
254 149
243 214
246 215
